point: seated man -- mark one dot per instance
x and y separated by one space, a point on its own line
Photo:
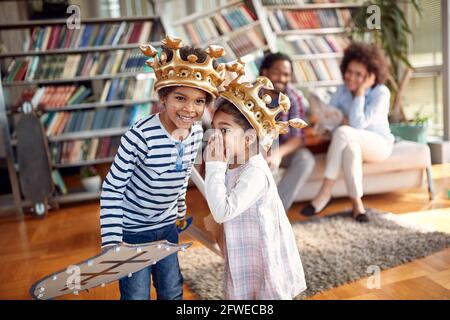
291 153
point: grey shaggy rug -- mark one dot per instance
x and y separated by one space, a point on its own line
335 250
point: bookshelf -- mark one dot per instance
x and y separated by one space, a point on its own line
75 79
310 6
87 90
313 33
74 50
234 25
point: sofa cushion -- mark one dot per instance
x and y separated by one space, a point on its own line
372 184
406 155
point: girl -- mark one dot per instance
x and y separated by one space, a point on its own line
261 256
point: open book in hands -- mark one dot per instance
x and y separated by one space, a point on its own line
323 116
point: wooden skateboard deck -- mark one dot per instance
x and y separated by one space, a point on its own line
111 265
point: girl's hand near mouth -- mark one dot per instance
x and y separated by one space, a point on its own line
215 149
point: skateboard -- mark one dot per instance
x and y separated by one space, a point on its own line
33 155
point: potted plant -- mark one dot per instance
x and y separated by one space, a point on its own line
415 129
393 36
90 179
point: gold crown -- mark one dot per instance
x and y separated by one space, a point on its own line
246 97
179 72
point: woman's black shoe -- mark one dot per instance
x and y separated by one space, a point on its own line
310 210
363 218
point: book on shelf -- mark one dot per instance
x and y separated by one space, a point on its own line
59 182
310 45
282 20
248 42
56 123
127 89
67 66
76 151
216 25
302 2
42 38
56 97
283 2
316 70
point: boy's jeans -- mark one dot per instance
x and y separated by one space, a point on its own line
167 278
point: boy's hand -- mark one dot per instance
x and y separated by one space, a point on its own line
109 246
183 224
215 150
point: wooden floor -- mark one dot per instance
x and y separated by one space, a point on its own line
32 248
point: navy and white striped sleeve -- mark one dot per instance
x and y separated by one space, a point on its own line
132 151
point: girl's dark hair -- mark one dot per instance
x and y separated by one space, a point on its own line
227 107
369 55
184 53
271 58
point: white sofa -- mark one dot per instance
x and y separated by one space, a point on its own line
406 168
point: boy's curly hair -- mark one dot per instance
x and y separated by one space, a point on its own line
369 55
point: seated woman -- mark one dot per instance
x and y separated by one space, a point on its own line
364 134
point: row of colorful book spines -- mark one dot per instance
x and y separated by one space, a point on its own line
292 23
319 44
59 36
317 70
297 2
198 35
203 29
50 97
312 19
125 88
245 45
26 69
55 96
84 150
232 18
56 123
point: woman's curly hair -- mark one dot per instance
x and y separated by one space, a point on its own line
369 55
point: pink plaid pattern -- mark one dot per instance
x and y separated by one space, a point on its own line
244 259
261 257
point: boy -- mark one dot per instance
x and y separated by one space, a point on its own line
144 192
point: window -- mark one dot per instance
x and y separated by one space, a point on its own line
424 91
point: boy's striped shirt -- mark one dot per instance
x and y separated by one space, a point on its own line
143 189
